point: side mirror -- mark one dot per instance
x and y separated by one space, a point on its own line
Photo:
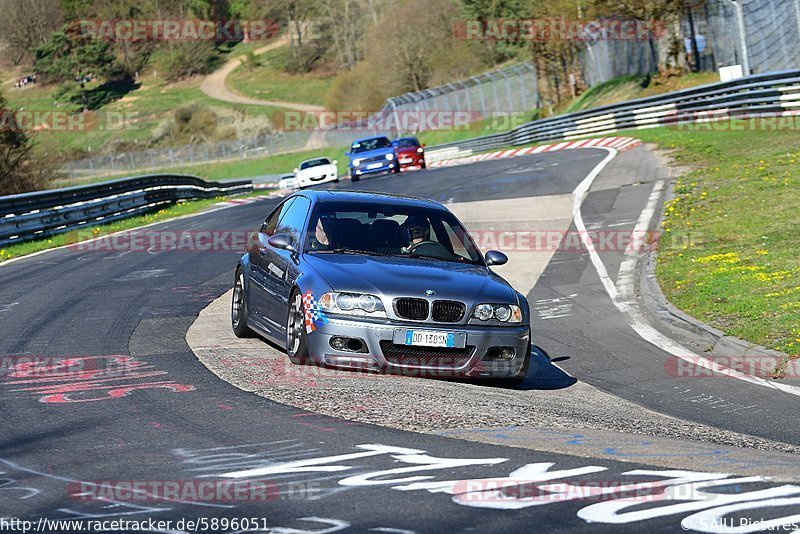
281 241
495 257
423 145
335 162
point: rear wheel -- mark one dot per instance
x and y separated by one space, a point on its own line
239 311
296 342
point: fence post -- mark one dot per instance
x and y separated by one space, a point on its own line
737 5
494 92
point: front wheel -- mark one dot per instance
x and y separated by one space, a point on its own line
396 169
296 342
354 177
239 311
520 378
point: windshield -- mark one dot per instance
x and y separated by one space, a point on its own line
314 163
390 230
370 144
406 143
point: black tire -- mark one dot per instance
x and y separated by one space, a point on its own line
354 177
396 168
296 341
423 166
239 310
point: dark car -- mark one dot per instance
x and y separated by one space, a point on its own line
380 282
410 152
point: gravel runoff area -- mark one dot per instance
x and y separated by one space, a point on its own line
428 405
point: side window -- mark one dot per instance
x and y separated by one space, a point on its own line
293 219
271 223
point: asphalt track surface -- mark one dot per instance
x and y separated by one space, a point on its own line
166 418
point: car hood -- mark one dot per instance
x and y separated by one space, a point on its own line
378 152
393 276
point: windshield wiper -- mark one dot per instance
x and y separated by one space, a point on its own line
345 250
455 259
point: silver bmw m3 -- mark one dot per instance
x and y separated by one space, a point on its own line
380 282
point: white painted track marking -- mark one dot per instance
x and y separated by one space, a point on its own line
623 297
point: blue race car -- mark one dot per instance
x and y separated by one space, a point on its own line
371 155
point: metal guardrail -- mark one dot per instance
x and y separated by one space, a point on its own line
776 92
45 213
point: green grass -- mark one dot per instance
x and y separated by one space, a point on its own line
171 212
731 256
269 81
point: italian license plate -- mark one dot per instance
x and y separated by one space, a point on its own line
405 160
374 165
431 338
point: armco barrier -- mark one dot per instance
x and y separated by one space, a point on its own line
45 213
776 93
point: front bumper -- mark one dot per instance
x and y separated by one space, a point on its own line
381 354
361 170
411 160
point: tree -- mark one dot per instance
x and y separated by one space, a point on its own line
397 60
26 24
19 170
68 55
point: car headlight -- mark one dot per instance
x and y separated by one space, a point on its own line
352 304
356 162
505 313
390 156
420 150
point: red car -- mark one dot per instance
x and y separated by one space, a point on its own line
410 153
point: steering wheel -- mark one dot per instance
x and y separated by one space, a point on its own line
435 244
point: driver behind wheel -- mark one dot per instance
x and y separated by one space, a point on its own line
415 231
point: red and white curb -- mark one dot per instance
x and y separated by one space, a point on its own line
620 143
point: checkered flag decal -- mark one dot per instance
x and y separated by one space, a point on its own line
312 312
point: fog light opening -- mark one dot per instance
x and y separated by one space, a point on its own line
348 344
500 353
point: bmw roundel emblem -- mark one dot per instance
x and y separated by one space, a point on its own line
430 292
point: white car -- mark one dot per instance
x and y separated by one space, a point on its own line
316 171
287 181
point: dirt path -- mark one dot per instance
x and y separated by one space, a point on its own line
214 85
